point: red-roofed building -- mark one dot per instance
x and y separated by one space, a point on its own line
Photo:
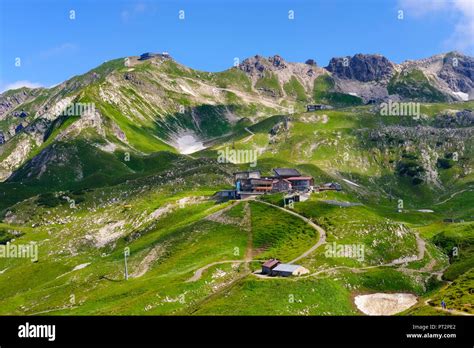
268 266
301 183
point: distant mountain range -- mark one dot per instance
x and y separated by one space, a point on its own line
151 103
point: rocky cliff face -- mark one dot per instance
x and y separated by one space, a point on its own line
458 72
451 73
253 65
447 77
443 77
277 78
362 67
11 99
258 64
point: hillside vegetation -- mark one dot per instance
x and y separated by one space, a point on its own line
138 172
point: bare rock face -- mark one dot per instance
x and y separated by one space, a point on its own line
54 155
277 62
362 67
257 65
16 157
11 101
132 78
458 72
252 65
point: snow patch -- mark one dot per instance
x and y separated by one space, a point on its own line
188 143
384 304
462 96
351 182
81 266
78 267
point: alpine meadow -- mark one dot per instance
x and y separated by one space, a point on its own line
340 187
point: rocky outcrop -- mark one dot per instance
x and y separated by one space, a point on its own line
458 72
464 118
362 67
420 147
253 65
129 76
16 157
277 62
257 65
446 77
11 100
451 73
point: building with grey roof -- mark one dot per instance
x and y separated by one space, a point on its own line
286 172
286 270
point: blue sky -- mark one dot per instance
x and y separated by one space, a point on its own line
52 47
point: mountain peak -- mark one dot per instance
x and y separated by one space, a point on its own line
361 67
258 64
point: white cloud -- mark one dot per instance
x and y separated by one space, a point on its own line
462 36
19 84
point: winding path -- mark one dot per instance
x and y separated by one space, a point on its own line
198 274
248 257
421 254
421 246
447 310
321 231
246 225
452 196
